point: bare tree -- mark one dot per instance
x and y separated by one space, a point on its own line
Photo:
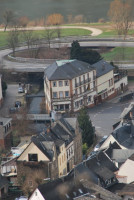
48 35
13 39
28 37
8 17
120 13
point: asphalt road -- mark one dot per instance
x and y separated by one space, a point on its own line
104 115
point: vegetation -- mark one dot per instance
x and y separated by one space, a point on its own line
84 54
88 132
119 54
120 13
4 88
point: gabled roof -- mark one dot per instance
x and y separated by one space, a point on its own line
121 155
102 165
123 135
102 67
111 147
67 71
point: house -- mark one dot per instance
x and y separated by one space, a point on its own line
40 159
68 85
125 172
5 132
105 81
80 186
104 168
51 154
71 84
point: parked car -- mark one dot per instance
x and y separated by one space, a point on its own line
20 90
13 110
17 104
96 148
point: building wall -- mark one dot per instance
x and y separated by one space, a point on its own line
32 149
127 170
30 173
77 145
62 161
36 195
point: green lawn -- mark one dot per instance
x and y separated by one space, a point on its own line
119 54
40 34
3 39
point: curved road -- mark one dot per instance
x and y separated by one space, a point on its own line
95 31
34 67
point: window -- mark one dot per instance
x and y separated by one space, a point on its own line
54 84
75 91
110 82
67 106
54 94
33 157
89 98
61 94
80 90
60 83
79 79
61 107
66 94
83 78
66 83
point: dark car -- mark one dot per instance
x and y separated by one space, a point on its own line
13 110
17 104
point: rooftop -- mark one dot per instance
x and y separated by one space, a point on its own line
67 70
102 67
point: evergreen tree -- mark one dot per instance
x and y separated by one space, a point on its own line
90 56
75 52
85 124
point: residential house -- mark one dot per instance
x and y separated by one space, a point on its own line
68 85
125 172
53 153
79 184
105 81
71 84
40 159
104 168
5 132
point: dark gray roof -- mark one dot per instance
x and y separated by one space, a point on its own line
67 71
111 147
102 165
102 67
124 136
121 155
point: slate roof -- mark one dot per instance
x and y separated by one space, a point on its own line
124 136
60 190
102 165
67 71
111 147
102 67
121 155
70 124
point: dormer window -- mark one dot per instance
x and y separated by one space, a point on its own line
33 157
